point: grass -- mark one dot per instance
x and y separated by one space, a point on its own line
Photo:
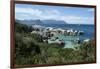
30 49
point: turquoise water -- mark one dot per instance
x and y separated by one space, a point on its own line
69 41
88 29
70 44
66 38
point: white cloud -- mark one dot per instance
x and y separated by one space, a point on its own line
91 10
29 13
52 12
23 10
42 14
77 19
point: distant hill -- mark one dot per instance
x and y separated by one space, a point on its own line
30 22
53 22
41 22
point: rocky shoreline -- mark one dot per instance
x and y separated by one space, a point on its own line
49 34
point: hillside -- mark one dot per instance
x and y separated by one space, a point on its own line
41 22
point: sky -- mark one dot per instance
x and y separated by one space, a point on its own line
71 15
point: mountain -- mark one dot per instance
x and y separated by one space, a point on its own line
40 22
30 22
53 22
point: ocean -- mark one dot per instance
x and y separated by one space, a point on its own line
69 40
87 28
88 33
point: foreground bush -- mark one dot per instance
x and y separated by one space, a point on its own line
30 49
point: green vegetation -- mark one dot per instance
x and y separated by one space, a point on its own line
30 49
